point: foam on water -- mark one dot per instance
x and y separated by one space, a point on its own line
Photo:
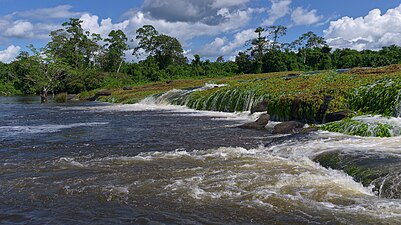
48 128
248 177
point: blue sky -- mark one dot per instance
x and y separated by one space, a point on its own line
209 28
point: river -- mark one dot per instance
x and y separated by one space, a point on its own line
98 163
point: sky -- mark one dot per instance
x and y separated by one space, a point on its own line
210 28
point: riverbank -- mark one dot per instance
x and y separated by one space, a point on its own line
309 97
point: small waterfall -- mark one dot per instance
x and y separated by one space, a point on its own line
397 105
178 96
382 97
367 126
210 97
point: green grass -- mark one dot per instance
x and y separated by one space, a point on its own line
290 98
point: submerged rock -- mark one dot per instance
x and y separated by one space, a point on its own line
382 170
260 107
259 124
337 116
103 93
289 127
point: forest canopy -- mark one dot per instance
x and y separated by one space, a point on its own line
76 60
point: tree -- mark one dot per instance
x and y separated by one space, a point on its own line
45 74
197 65
258 50
244 63
116 44
306 43
276 32
165 49
73 46
220 59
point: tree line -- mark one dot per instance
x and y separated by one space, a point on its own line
75 60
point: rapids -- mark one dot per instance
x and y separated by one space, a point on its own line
96 163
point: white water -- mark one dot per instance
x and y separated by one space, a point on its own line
258 178
48 128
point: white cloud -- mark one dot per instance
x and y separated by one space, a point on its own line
58 12
213 48
20 29
279 9
302 16
227 3
91 23
239 41
221 46
373 31
34 24
9 54
185 31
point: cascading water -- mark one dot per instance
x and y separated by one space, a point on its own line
397 105
367 126
177 96
224 100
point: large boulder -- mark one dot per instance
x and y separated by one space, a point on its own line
289 127
259 124
379 170
337 116
103 93
260 107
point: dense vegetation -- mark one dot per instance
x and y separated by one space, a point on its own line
76 61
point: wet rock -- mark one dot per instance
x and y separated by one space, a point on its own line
336 116
291 76
323 108
308 130
380 169
71 97
289 127
260 107
259 124
103 93
98 94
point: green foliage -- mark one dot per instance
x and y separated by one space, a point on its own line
164 49
61 98
360 128
381 97
117 44
73 46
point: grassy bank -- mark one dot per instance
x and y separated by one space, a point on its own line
290 95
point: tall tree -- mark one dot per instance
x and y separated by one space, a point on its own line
73 45
39 72
306 42
165 49
116 46
275 32
257 51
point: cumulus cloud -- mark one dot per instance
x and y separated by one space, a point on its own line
20 29
221 46
279 9
58 12
372 31
205 11
227 3
9 54
35 23
91 23
301 16
185 31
